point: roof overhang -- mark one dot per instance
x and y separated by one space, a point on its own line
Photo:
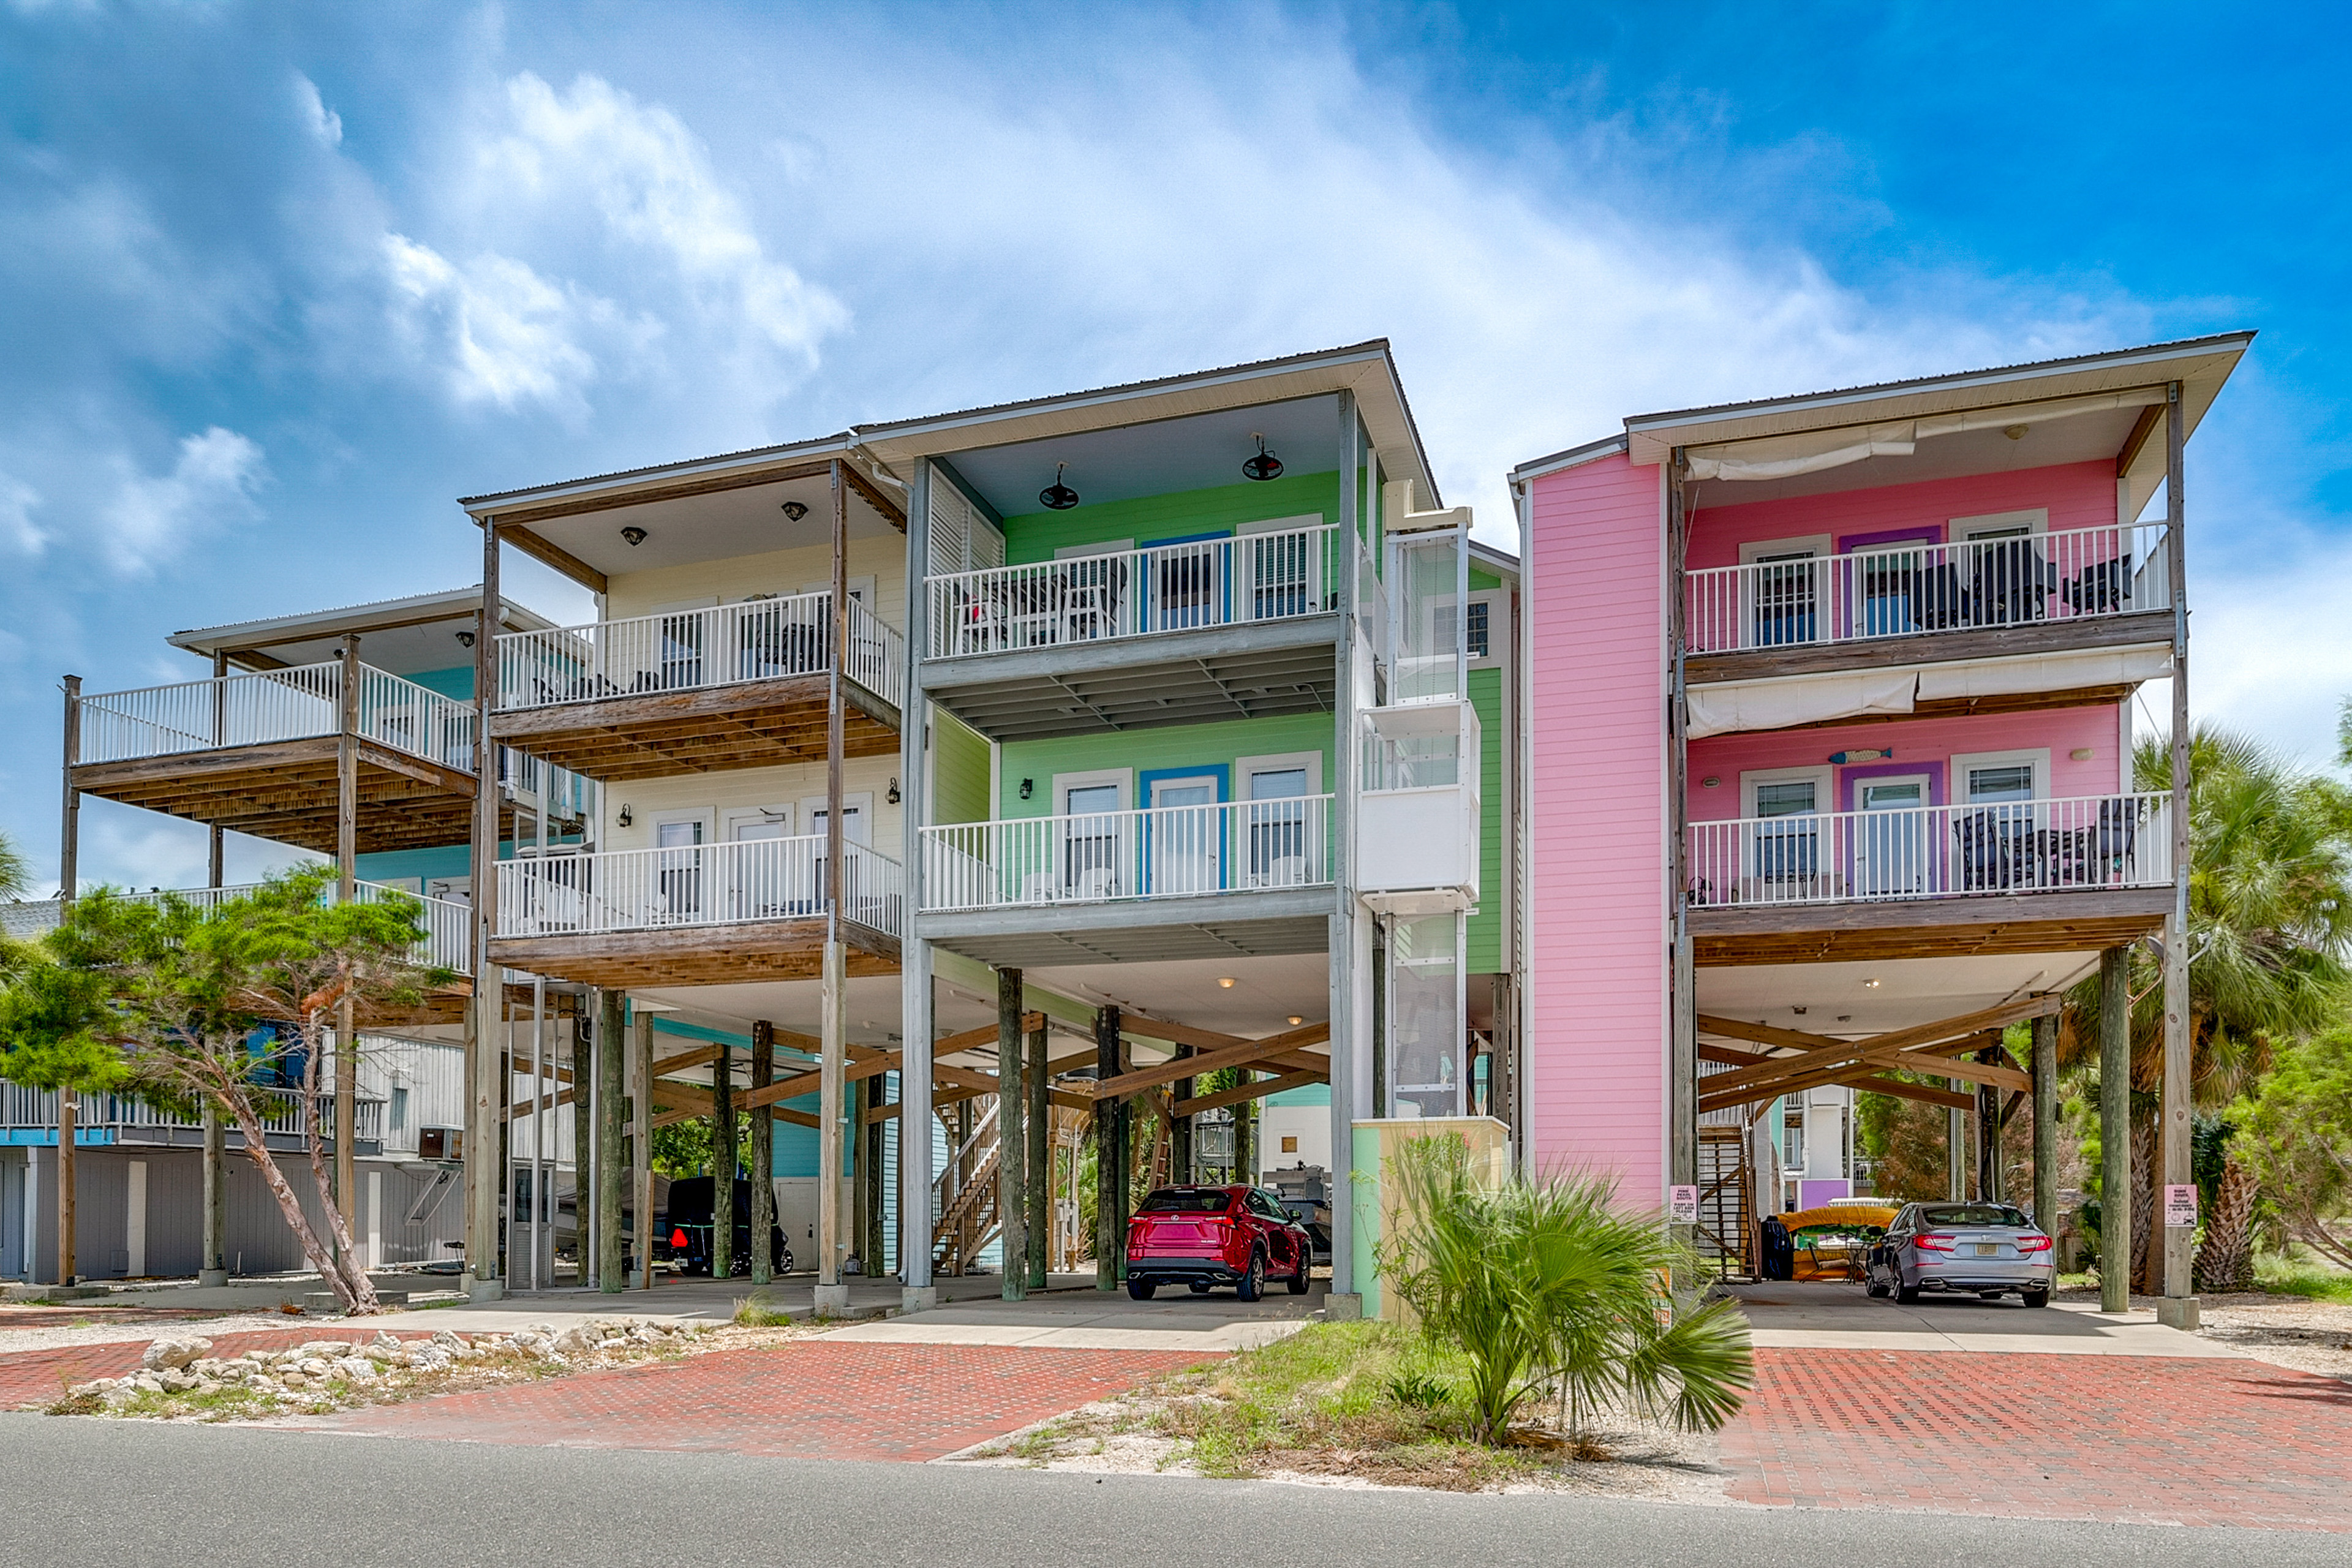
2124 434
402 635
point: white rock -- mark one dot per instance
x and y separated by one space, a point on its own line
171 1353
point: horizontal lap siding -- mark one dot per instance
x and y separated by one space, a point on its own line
1596 813
1930 743
2079 495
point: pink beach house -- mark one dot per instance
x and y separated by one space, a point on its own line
1832 703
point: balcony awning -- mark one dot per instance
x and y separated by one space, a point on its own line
1810 451
1787 701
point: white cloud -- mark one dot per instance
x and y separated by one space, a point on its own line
2267 653
150 518
503 334
17 500
321 123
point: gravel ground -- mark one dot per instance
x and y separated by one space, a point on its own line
2286 1330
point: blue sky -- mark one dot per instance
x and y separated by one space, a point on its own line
275 285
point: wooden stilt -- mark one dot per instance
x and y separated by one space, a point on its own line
212 1262
69 885
1012 1139
347 1045
1037 1081
611 1074
723 1160
1180 1131
641 1146
2114 1130
483 1044
833 1032
763 1156
2174 1157
2045 1124
1110 1142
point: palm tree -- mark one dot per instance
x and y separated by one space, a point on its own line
2270 933
16 871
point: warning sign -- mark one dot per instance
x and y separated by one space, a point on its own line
1682 1206
2181 1205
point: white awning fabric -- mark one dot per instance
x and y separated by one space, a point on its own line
1809 451
1744 705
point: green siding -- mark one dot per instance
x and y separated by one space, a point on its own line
1481 579
1035 536
959 770
1484 937
1177 746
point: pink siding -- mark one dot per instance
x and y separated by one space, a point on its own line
1926 742
2079 495
1598 1046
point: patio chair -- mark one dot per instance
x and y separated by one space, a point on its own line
2116 839
2010 582
2106 586
1985 844
1938 600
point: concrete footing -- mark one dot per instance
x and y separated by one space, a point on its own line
1343 1308
212 1278
2180 1312
919 1299
56 1292
482 1290
831 1301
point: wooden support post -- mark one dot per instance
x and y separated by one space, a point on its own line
1245 1131
607 1017
724 1154
2114 1130
1682 1026
69 884
1988 1122
1110 1137
2045 1124
641 1145
1038 1161
347 839
1012 1138
611 1090
870 1181
915 1012
1180 1131
484 1037
763 1155
2174 1158
212 1262
833 1027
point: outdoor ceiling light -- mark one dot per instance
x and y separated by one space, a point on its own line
1225 980
1870 985
1057 496
1265 465
634 534
465 639
2014 431
794 510
1296 1019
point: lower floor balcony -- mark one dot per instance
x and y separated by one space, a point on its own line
30 1116
755 907
2017 876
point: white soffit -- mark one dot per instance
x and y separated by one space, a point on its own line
1838 1003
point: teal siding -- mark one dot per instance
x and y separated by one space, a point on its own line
457 683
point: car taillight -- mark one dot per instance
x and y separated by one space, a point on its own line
2032 1244
678 1238
1938 1242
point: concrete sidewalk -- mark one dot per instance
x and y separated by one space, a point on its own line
1817 1315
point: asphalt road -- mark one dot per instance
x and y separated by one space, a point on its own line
90 1491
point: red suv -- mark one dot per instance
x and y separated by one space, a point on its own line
1200 1237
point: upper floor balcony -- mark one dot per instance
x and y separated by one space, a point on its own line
725 686
1114 639
449 939
748 908
1919 600
25 1114
259 752
1156 882
1914 881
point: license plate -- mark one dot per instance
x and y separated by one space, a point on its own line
1988 1249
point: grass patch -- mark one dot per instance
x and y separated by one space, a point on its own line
2300 1277
759 1310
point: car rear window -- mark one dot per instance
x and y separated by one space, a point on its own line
1975 1214
1186 1201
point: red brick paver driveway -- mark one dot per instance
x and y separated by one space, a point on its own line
2125 1439
815 1399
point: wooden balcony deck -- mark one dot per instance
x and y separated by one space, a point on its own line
2068 920
790 949
661 734
285 791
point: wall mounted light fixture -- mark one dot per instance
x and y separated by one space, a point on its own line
893 796
624 818
634 534
1027 785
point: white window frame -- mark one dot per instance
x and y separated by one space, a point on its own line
861 589
1277 762
1824 780
854 803
1960 763
1753 553
1065 782
1081 552
731 815
1962 529
1498 623
706 816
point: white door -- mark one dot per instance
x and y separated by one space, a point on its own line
678 871
1783 599
1092 827
857 827
1274 821
1784 853
1187 835
1890 837
759 880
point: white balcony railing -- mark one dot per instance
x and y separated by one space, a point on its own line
686 650
293 704
1168 851
1934 852
1901 588
24 1109
1248 578
447 943
696 885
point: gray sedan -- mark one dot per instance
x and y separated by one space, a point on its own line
1981 1250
